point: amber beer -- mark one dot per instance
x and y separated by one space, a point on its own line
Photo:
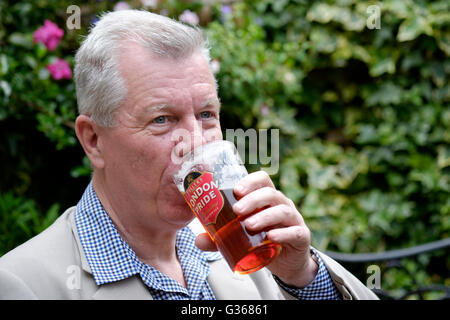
207 186
246 252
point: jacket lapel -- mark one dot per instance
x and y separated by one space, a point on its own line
132 288
228 286
83 259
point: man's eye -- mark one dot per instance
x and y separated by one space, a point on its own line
206 114
160 120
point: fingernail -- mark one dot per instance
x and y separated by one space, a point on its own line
251 222
239 188
238 207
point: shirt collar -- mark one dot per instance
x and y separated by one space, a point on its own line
112 259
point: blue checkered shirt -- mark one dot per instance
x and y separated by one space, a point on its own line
112 259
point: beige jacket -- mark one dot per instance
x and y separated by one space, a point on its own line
52 265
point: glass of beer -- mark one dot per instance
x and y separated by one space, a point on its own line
206 179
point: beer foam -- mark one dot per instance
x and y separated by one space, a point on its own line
219 157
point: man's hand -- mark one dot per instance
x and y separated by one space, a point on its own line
282 223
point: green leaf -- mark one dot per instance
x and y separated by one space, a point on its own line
383 65
443 40
290 182
83 170
322 40
6 88
41 50
410 29
322 12
443 156
386 94
21 40
322 178
4 66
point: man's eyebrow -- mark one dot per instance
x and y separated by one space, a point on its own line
211 102
156 107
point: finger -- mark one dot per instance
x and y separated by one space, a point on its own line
252 182
259 199
274 217
205 243
294 236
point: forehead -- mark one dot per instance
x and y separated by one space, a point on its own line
183 84
140 65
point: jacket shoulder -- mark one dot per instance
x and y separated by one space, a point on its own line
347 284
42 262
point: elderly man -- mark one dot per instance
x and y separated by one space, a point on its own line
140 79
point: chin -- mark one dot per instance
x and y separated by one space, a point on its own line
175 209
186 215
179 215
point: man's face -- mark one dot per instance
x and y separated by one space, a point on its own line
165 97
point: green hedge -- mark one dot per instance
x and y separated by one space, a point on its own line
363 113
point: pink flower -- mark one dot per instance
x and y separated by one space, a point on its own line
49 34
121 5
215 66
60 69
226 10
264 110
189 17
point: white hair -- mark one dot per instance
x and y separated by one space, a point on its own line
99 85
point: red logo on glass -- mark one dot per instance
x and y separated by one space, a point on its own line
203 196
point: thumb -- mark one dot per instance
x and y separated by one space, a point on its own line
205 243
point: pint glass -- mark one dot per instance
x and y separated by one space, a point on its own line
206 179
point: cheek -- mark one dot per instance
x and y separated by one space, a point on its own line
152 162
149 154
213 134
129 160
129 157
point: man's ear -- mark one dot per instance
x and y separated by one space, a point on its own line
88 134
